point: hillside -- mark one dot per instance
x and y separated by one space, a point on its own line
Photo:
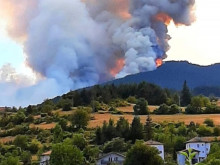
172 75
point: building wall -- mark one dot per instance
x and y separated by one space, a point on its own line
203 147
160 149
44 160
180 159
112 158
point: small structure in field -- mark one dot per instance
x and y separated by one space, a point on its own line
110 158
45 158
158 146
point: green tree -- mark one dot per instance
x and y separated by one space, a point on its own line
63 123
11 161
26 158
163 109
46 108
66 105
204 131
91 154
116 145
29 110
174 109
216 131
80 119
136 131
141 154
79 141
65 154
21 141
149 128
99 136
19 117
122 128
209 122
141 107
57 134
185 95
34 146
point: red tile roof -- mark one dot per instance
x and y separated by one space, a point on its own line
47 153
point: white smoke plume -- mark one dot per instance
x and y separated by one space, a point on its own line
74 44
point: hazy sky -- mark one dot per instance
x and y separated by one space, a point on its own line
197 43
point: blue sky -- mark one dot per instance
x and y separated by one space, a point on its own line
10 52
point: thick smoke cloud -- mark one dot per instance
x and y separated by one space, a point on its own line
73 43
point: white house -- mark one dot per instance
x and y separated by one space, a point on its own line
199 144
112 157
45 158
157 145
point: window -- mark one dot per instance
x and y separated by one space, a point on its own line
110 159
198 145
160 152
116 159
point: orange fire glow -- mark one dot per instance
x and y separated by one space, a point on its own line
118 67
163 17
159 62
124 14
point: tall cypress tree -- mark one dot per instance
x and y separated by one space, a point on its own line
136 131
185 95
148 128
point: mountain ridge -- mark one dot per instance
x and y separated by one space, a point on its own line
172 74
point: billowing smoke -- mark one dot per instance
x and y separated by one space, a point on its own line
74 44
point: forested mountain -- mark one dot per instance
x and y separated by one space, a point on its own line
172 74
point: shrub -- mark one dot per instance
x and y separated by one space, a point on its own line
209 122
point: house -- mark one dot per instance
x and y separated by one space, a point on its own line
181 159
201 145
111 157
157 145
45 158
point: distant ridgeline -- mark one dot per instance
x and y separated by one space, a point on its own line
200 79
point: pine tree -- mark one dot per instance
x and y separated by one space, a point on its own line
185 95
148 128
136 129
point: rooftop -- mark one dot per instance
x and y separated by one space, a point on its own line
193 150
204 139
151 142
47 153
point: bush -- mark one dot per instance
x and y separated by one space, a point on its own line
165 109
174 109
209 122
132 99
193 110
216 131
204 131
141 107
80 119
